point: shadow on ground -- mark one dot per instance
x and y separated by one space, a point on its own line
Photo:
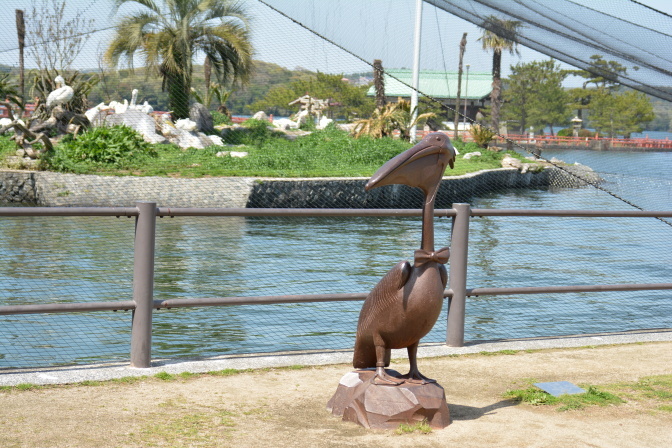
459 412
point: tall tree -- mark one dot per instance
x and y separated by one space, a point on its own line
463 46
613 110
352 100
620 113
169 34
21 34
519 96
379 83
498 35
534 95
601 75
55 40
552 106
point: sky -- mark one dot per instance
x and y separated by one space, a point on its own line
381 29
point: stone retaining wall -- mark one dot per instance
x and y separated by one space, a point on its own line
17 187
55 189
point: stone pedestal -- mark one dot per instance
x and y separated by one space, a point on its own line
379 406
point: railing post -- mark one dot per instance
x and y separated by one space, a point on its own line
143 284
459 243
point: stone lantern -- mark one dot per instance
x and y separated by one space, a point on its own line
576 124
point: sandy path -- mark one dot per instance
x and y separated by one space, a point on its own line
286 408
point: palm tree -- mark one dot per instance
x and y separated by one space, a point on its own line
169 34
498 35
9 94
393 116
379 83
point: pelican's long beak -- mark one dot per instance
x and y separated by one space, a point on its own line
421 166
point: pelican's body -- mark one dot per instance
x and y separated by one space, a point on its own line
61 95
146 108
400 310
404 306
119 108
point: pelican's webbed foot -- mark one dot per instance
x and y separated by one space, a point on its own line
414 376
385 378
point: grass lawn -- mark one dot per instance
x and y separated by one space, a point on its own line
326 153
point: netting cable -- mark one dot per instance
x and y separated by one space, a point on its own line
511 142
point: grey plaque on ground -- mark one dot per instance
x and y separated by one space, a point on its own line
557 388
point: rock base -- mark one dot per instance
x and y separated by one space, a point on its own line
378 406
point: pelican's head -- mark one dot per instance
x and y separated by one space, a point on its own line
422 166
59 81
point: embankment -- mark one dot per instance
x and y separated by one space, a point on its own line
38 188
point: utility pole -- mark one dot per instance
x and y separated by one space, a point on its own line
416 68
466 96
21 32
456 121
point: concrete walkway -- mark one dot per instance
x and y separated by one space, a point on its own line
108 371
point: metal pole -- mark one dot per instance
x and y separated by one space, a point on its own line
466 94
459 243
456 119
416 68
143 284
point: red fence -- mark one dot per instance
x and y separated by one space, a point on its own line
30 108
591 141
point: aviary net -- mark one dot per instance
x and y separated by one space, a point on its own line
84 259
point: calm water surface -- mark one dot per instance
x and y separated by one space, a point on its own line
90 259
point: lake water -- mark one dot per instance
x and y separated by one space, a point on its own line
661 135
90 259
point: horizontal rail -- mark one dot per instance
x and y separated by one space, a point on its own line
317 212
310 298
258 300
572 213
567 289
68 211
311 212
67 307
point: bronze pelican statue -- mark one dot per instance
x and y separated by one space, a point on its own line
404 306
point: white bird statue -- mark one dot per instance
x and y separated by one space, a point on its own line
119 108
134 98
146 108
62 95
92 113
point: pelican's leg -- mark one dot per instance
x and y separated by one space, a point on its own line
381 374
414 375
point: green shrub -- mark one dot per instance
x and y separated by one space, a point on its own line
465 147
219 118
252 133
7 146
113 147
482 135
569 132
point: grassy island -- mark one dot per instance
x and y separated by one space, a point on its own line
119 151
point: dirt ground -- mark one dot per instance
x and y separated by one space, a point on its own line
286 407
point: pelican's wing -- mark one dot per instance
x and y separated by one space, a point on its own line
384 294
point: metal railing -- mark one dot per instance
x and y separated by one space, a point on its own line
143 302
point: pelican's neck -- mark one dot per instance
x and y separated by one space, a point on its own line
428 220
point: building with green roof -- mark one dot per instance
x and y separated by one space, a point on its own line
476 87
